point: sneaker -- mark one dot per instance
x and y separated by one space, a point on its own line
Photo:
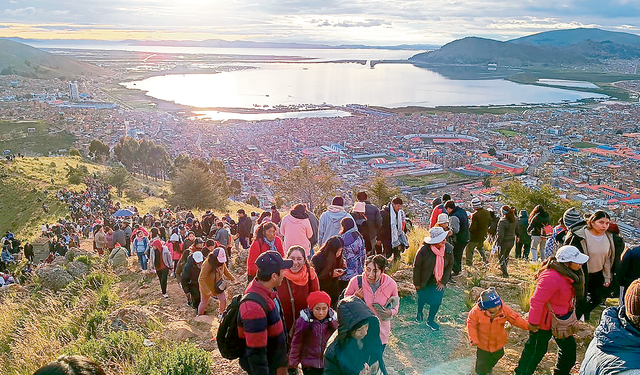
433 325
165 295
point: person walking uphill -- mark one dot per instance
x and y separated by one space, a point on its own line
189 279
506 237
265 240
160 260
523 241
329 225
296 229
485 326
374 221
559 281
379 291
478 229
392 235
538 219
212 281
431 272
263 331
244 228
615 348
460 226
355 349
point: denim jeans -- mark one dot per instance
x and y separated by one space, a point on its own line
142 258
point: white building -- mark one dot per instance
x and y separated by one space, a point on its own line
73 90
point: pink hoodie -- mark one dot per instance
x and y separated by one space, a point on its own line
296 232
387 289
554 288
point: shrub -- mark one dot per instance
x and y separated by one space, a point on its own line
84 259
106 299
416 238
93 322
115 348
394 267
525 296
98 279
185 359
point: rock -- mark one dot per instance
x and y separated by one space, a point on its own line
59 261
53 277
406 289
475 293
77 269
405 274
179 331
206 319
132 318
148 343
74 252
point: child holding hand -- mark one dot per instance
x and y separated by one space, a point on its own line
312 331
485 326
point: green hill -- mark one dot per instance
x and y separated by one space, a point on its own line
21 59
569 37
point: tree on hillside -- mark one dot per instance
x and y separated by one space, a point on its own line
195 187
382 190
254 201
312 184
126 151
119 178
99 150
514 193
145 157
235 188
78 174
181 161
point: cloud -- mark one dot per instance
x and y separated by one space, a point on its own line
349 23
21 12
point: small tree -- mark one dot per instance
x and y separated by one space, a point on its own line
119 178
514 193
194 187
99 150
76 175
382 190
74 152
312 184
235 188
134 194
253 200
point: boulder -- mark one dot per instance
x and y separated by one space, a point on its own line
405 274
40 249
53 277
59 261
406 289
77 269
204 319
74 252
179 331
132 318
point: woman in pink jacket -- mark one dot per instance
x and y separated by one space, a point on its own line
296 229
379 291
560 281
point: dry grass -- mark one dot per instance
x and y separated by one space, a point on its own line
416 239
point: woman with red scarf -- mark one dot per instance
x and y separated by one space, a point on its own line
299 281
431 272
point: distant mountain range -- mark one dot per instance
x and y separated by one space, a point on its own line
551 48
21 59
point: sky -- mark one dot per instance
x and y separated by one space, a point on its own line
371 22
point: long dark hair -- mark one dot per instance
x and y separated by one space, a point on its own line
536 210
329 251
262 228
510 215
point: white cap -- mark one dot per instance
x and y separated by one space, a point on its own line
198 257
174 238
568 253
443 218
436 235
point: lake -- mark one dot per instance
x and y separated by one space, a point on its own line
387 85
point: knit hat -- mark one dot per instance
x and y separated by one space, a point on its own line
571 216
489 298
475 202
632 302
318 297
360 207
338 201
442 218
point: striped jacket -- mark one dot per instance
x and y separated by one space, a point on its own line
264 334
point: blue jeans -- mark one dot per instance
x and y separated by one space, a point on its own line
142 258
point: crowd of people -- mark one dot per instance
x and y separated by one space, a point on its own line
318 295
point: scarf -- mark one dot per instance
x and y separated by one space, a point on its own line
272 244
438 250
576 276
302 277
396 225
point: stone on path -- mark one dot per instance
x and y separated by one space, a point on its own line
53 277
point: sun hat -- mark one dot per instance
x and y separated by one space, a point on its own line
568 253
436 235
442 218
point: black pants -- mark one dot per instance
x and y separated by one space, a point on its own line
162 276
505 250
522 250
485 361
195 296
595 293
312 371
458 250
536 348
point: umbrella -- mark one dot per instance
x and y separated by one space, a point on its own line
123 213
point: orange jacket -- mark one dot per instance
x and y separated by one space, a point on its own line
490 335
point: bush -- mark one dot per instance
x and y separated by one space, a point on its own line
185 359
96 280
416 238
106 299
94 320
82 258
525 296
114 349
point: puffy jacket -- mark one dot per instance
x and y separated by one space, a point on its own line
296 232
424 264
462 237
554 288
343 356
388 288
489 334
258 247
615 347
329 225
310 339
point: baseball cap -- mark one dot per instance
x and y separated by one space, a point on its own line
568 253
443 218
198 257
271 261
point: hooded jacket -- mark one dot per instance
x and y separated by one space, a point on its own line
329 225
489 333
629 267
615 347
576 237
310 339
537 223
388 288
296 232
342 356
353 253
554 288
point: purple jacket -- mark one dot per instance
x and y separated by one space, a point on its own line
310 339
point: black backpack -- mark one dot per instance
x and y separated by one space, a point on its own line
231 345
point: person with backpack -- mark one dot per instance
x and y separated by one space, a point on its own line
160 260
141 247
175 247
312 331
263 330
460 227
